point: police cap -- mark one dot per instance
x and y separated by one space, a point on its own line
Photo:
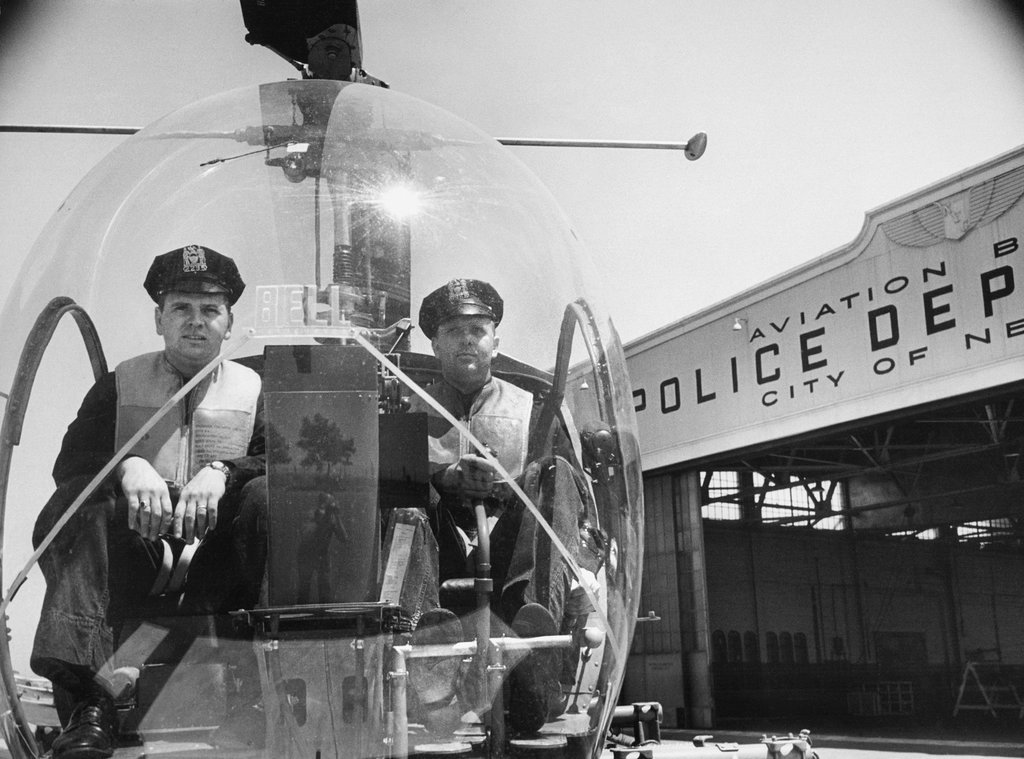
460 297
194 269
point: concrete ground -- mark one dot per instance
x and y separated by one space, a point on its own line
976 736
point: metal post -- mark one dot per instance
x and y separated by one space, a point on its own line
694 617
399 677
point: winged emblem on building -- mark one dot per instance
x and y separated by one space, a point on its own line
955 215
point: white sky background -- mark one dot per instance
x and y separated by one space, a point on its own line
816 112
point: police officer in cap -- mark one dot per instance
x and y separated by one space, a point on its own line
531 582
105 560
460 318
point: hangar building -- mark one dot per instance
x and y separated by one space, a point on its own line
834 505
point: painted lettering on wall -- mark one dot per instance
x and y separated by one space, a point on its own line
887 327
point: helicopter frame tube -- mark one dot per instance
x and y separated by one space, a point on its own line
31 357
10 436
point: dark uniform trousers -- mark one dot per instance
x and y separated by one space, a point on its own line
526 567
99 573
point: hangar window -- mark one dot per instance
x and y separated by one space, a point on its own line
720 489
786 647
794 502
775 498
984 533
719 652
735 647
929 534
800 652
751 649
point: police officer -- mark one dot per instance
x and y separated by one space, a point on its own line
460 319
204 450
530 579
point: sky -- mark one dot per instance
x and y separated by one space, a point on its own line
816 112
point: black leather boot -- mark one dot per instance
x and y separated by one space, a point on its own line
533 682
91 733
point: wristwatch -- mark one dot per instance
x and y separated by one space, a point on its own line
221 467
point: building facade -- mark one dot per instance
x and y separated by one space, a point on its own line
833 482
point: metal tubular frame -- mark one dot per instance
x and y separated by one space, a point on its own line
10 436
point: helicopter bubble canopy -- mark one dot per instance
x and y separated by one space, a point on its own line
344 205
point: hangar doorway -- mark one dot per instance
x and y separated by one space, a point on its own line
856 572
877 562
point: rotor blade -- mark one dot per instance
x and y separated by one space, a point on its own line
555 143
694 148
66 129
690 147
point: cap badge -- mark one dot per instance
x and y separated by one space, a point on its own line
193 258
458 291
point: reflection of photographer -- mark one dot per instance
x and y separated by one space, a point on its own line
100 566
314 554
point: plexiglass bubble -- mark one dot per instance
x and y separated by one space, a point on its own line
401 605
